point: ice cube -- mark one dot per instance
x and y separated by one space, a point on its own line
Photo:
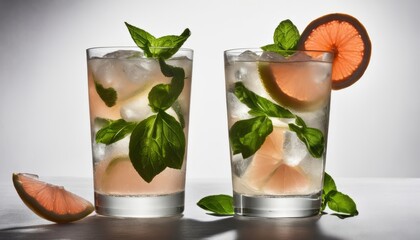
137 107
102 152
237 110
294 149
247 73
140 71
271 56
125 75
247 56
312 167
124 54
316 119
300 57
240 165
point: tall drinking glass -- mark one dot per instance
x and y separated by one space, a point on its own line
278 109
139 115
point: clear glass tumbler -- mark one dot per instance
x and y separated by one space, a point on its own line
278 110
139 115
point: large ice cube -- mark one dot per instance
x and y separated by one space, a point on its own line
271 57
294 149
247 73
316 119
240 165
102 152
124 54
247 56
137 107
237 110
125 72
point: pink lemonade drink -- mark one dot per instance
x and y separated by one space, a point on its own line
278 108
126 116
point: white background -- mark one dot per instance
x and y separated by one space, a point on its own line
44 123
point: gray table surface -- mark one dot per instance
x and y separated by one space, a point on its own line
389 209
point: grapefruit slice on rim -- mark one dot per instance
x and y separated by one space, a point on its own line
50 202
347 38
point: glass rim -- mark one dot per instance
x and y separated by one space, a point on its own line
134 47
256 49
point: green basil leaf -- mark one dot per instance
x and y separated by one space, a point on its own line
163 47
286 35
166 46
163 96
323 202
329 183
142 38
173 141
312 137
258 104
341 203
108 95
299 121
218 205
156 143
144 149
247 136
114 131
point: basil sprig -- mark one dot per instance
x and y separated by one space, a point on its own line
247 136
158 141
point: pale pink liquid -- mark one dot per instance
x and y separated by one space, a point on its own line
114 173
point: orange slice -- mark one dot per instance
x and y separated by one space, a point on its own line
51 202
302 86
347 38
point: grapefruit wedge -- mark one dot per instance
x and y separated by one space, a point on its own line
50 202
268 173
347 38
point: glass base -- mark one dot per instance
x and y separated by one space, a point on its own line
139 206
270 206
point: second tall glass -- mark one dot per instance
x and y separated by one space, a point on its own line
278 109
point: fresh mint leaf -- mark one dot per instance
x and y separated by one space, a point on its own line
156 143
286 35
312 137
258 104
108 95
341 203
218 205
247 136
114 131
163 96
163 47
166 46
142 38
